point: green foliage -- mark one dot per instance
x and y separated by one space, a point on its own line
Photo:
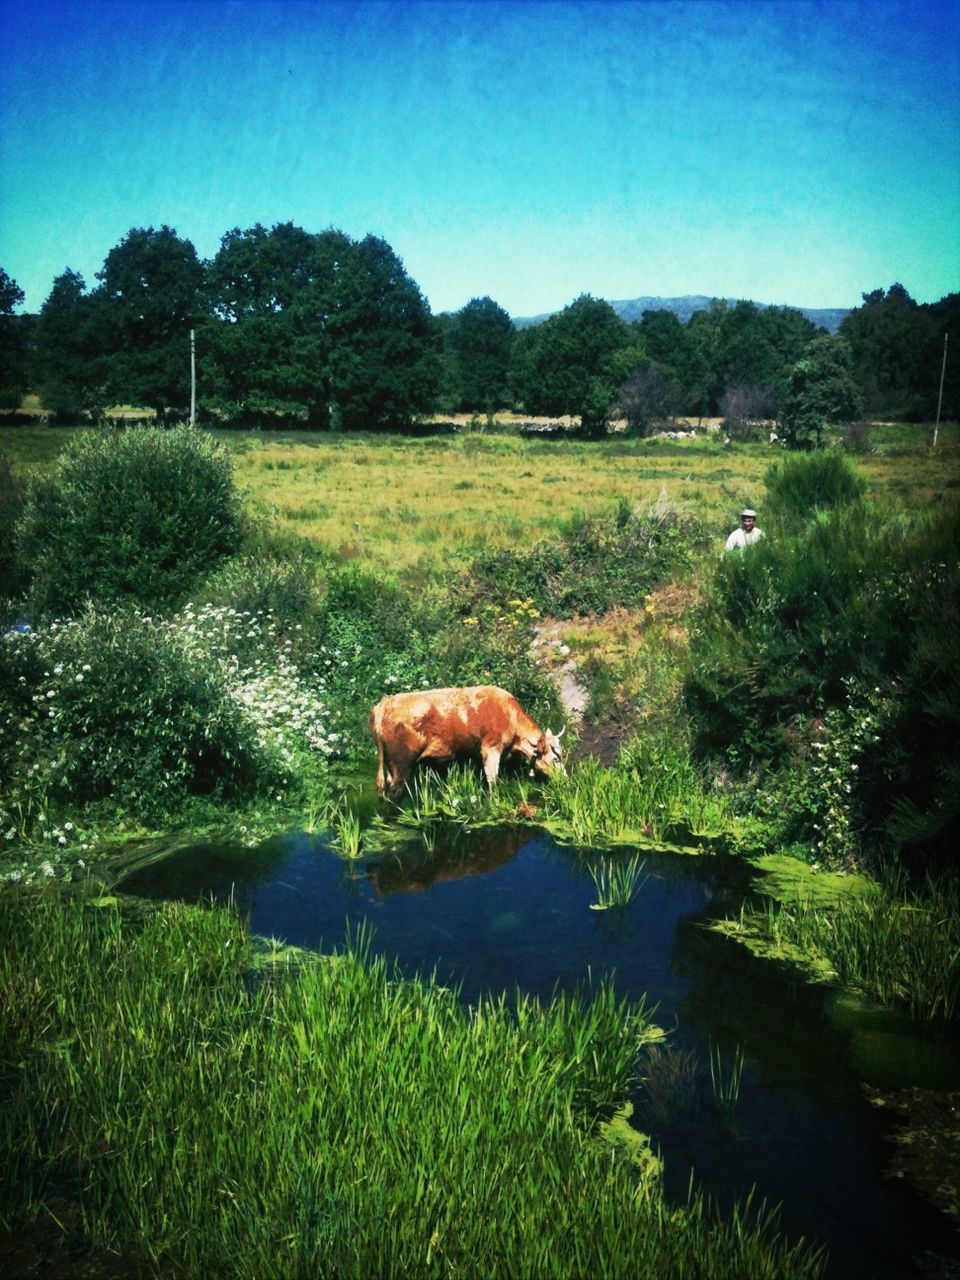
150 289
135 516
482 341
820 390
71 349
899 945
850 597
120 706
119 1037
896 348
571 363
601 562
13 499
804 484
14 373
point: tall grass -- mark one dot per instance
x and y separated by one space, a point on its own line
899 946
617 882
331 1120
651 792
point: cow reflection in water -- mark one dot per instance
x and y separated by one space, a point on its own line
475 854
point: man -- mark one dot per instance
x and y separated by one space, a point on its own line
747 533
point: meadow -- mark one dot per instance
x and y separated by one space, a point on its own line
357 564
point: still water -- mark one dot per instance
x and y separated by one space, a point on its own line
510 909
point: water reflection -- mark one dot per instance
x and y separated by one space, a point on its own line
508 909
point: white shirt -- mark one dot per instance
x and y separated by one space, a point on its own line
740 538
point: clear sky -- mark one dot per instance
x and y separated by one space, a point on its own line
803 151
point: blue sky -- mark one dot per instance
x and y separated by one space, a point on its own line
800 152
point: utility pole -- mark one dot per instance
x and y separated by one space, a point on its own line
193 381
943 370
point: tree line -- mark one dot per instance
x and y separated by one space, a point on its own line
322 331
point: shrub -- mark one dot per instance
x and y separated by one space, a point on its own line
134 517
13 495
601 562
116 705
788 628
802 485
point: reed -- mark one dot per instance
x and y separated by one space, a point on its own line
643 795
332 1121
617 881
901 946
725 1078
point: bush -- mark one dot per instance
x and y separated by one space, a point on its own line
135 517
601 562
116 705
805 484
851 620
13 497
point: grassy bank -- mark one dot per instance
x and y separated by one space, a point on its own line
325 1119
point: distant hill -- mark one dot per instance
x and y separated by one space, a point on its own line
632 309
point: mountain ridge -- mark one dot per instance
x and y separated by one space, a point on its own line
683 307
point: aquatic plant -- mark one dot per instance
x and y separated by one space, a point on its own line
617 881
388 1117
725 1079
646 794
900 944
348 838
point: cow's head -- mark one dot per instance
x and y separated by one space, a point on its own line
546 758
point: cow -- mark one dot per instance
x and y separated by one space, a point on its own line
440 725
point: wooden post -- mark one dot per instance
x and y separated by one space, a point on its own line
193 381
943 370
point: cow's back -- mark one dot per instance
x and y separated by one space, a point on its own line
450 721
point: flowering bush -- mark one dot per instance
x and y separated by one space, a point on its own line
148 711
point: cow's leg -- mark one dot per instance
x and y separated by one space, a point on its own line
491 764
381 772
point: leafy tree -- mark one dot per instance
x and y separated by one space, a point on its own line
896 349
13 371
576 362
945 314
384 351
150 286
272 293
821 390
672 346
68 361
482 339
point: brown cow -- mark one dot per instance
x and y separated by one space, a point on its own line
454 724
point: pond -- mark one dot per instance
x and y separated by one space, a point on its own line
510 909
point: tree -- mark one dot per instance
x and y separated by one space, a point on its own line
671 345
646 397
577 360
150 286
384 349
69 364
13 353
896 348
820 390
482 340
271 293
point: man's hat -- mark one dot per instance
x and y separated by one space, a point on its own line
748 512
